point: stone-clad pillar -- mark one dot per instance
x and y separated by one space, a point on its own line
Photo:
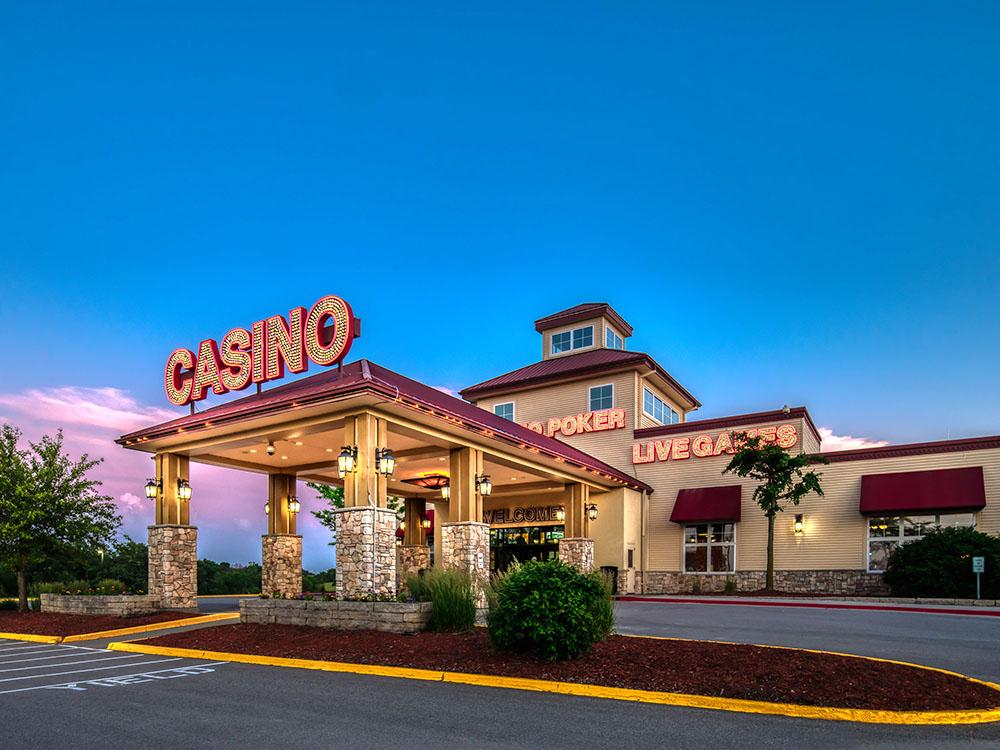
366 551
173 565
578 553
281 572
576 548
466 545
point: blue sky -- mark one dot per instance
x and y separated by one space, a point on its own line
791 203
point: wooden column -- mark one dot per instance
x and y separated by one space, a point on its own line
415 509
369 434
170 469
280 520
577 497
466 503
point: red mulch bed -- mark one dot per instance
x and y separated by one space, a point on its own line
731 671
51 623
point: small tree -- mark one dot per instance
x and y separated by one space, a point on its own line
334 497
48 503
782 479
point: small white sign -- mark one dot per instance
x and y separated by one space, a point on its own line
480 560
978 564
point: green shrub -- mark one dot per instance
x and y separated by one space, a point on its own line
109 586
56 587
940 565
549 609
77 587
450 592
730 585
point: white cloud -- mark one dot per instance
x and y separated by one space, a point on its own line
108 408
446 389
130 503
833 442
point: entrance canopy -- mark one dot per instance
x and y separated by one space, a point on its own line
933 491
299 428
707 505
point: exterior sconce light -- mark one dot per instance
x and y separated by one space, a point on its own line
270 448
347 461
592 511
425 522
446 491
385 462
267 509
561 514
484 485
294 506
798 525
183 489
153 487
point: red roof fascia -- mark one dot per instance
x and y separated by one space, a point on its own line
734 421
914 449
930 491
586 311
707 505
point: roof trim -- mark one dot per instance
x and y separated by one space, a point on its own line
482 390
734 421
914 449
586 311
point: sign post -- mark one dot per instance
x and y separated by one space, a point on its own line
978 567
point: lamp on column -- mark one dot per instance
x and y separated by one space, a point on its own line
560 514
798 525
183 489
592 511
153 487
347 461
267 508
425 522
294 506
446 491
484 486
385 462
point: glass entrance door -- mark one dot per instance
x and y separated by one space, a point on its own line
510 545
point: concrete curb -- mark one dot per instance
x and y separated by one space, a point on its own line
166 625
980 612
596 691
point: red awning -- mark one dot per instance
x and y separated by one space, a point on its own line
933 491
707 504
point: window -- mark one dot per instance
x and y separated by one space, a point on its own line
505 410
612 340
631 560
653 406
602 397
887 533
578 338
710 548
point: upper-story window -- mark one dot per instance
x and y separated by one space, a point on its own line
612 340
505 410
602 397
655 408
578 338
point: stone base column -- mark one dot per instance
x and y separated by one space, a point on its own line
411 558
366 551
577 552
281 572
173 566
466 545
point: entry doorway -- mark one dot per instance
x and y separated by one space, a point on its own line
520 544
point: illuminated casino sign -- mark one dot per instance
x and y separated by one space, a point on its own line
576 424
323 334
706 446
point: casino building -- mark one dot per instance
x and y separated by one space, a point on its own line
593 454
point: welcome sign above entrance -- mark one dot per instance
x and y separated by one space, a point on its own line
539 514
324 335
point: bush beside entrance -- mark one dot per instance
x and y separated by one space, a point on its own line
549 609
940 565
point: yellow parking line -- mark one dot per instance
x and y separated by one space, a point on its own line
166 625
592 691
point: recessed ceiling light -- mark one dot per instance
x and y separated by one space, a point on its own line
513 479
329 450
253 450
298 442
441 459
284 458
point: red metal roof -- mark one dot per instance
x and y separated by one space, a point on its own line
930 491
734 421
959 445
570 366
586 311
363 375
707 504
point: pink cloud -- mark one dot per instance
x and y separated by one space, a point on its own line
833 442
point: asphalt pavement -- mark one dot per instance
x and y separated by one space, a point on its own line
80 697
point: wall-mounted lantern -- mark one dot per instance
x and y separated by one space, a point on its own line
347 461
484 485
561 514
425 522
798 526
267 509
294 506
153 487
592 511
183 489
446 491
385 462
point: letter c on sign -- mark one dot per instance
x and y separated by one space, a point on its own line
178 385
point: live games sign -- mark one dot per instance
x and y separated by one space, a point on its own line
323 335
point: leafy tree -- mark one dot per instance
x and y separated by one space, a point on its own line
48 504
782 480
940 565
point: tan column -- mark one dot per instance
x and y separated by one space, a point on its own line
577 497
368 433
280 520
414 509
466 504
442 515
170 469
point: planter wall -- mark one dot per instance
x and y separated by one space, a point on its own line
393 617
118 605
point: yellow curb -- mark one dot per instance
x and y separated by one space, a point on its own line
32 637
592 691
166 625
